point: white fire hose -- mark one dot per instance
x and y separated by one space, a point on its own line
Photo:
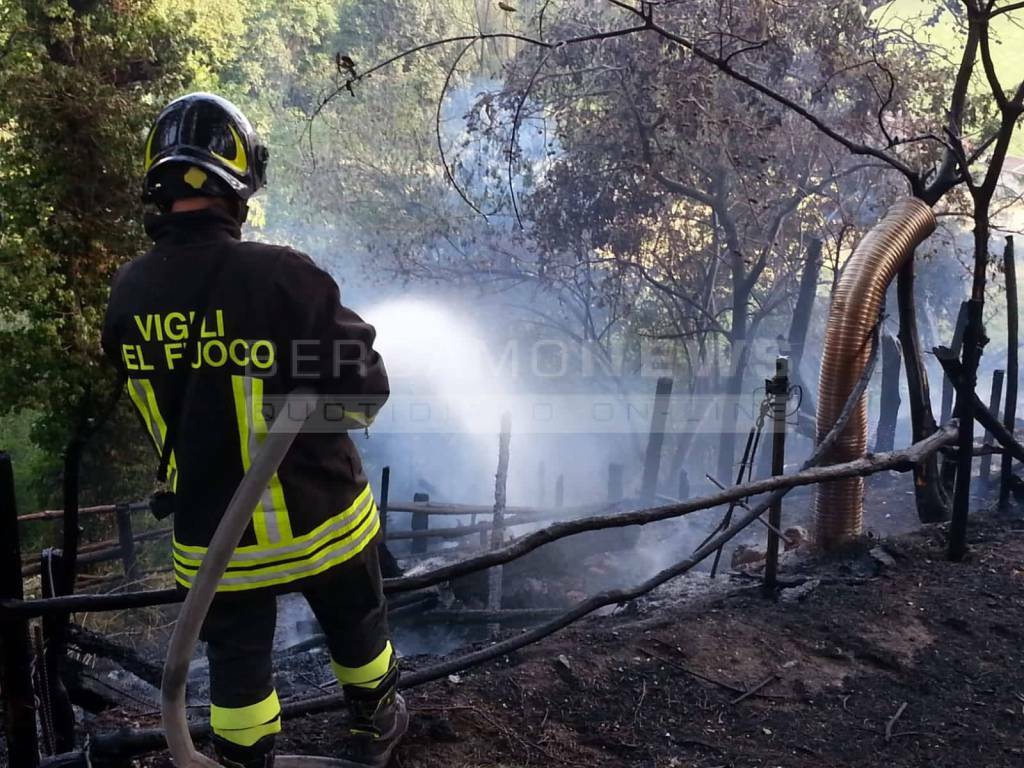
236 518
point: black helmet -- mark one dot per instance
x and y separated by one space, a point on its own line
199 145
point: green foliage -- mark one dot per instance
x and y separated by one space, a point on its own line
29 462
80 82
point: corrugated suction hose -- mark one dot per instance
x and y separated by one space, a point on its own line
193 612
860 295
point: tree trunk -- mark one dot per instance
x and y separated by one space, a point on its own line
889 411
739 354
974 340
932 501
947 463
801 323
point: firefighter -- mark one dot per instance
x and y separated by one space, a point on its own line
210 333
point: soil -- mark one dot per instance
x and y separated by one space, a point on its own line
889 655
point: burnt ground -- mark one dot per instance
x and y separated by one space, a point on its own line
896 658
663 682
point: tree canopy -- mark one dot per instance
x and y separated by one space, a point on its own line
618 173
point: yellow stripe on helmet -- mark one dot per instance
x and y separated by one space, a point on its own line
149 149
240 163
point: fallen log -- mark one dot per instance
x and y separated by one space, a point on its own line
500 616
100 509
461 531
464 510
902 460
95 643
895 460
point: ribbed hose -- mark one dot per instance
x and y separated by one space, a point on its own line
193 612
860 295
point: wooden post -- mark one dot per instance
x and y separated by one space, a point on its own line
1012 368
965 443
955 346
126 539
389 567
72 525
494 575
63 567
382 507
15 659
683 488
889 410
559 491
615 488
994 401
541 484
778 388
420 522
57 713
656 438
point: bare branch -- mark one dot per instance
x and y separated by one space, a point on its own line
988 65
723 65
437 129
515 132
948 176
350 82
1005 9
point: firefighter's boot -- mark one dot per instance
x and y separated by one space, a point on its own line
259 755
379 719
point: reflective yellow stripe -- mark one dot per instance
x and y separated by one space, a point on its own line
142 394
337 551
249 736
369 675
331 543
253 554
258 578
274 505
346 527
242 414
362 419
236 718
270 518
247 725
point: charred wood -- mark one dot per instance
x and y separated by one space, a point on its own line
982 414
933 504
95 643
1012 367
993 405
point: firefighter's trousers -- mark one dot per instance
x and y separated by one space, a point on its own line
349 604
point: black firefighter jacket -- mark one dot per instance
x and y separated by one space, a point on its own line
269 321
